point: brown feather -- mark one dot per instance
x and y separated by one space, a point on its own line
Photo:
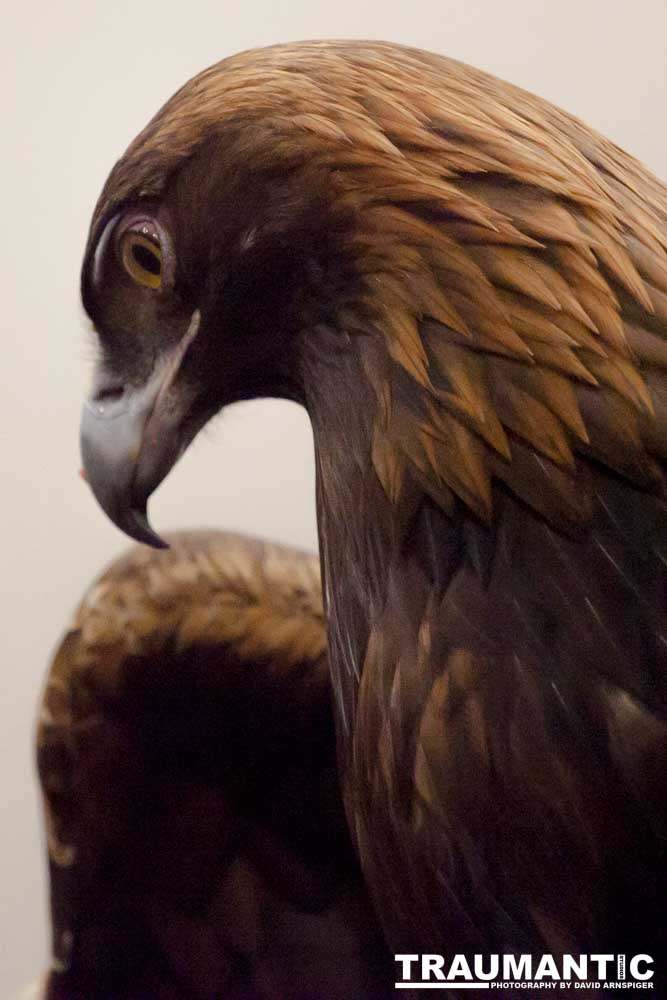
191 851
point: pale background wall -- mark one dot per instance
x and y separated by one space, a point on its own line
78 79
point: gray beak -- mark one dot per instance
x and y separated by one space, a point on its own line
131 437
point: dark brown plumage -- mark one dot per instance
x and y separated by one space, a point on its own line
197 843
467 289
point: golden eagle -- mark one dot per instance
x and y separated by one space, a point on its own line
467 289
197 842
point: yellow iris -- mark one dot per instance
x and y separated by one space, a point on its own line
142 259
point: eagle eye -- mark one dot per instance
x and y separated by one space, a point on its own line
142 256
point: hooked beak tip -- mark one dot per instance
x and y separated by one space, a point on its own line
110 474
138 527
131 436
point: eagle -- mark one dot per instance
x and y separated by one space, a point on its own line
196 837
466 288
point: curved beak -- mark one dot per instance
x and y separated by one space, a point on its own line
132 436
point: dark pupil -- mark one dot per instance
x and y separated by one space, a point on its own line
146 258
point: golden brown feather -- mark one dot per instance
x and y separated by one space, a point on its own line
196 841
565 260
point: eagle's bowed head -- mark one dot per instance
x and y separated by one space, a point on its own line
467 289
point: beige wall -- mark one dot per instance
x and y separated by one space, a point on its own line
78 80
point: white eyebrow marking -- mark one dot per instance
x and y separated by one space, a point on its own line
100 250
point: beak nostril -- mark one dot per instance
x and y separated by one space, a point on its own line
109 393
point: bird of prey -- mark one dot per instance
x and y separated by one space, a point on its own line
467 289
197 841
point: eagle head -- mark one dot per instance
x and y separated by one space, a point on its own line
215 250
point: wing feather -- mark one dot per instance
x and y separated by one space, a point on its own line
197 843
